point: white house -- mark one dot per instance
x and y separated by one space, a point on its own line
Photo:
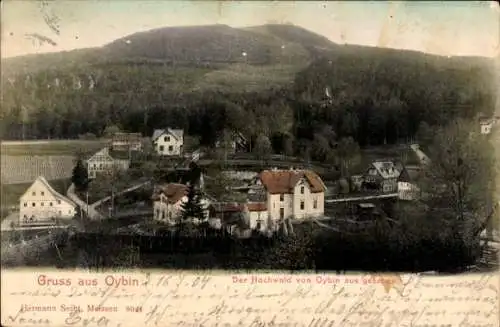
102 162
168 200
407 184
292 194
168 142
487 125
41 204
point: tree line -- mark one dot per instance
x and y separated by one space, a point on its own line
370 100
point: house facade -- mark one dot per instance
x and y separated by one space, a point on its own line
168 200
384 175
407 185
41 203
102 162
168 142
126 142
291 194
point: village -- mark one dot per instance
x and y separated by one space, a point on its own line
267 201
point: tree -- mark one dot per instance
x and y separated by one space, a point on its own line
110 130
262 146
425 134
80 176
348 153
460 181
192 208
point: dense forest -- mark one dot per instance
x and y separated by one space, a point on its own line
316 94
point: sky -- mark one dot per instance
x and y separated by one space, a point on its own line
468 28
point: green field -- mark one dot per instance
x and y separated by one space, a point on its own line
51 147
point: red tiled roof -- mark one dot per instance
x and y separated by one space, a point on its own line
283 181
257 206
173 192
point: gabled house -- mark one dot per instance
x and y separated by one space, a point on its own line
291 194
168 200
382 175
103 162
41 203
126 142
407 184
232 142
168 142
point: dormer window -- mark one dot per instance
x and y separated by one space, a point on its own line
302 190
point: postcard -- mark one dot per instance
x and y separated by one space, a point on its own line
253 163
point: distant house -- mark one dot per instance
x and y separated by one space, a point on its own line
294 194
407 184
383 174
103 162
168 200
232 143
168 142
240 218
487 125
126 142
41 203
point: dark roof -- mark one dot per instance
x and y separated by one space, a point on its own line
409 175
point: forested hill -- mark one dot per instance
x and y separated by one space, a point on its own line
265 80
194 45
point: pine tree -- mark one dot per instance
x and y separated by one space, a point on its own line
192 208
80 176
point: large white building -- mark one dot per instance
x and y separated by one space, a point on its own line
168 142
102 162
291 194
41 204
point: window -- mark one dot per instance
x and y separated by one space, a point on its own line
42 204
43 193
69 211
157 213
60 212
33 193
315 204
161 147
170 148
302 190
33 204
25 204
301 205
50 204
282 197
166 139
58 201
282 213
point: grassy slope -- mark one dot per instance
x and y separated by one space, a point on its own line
52 147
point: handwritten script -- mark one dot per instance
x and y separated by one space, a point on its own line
177 299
